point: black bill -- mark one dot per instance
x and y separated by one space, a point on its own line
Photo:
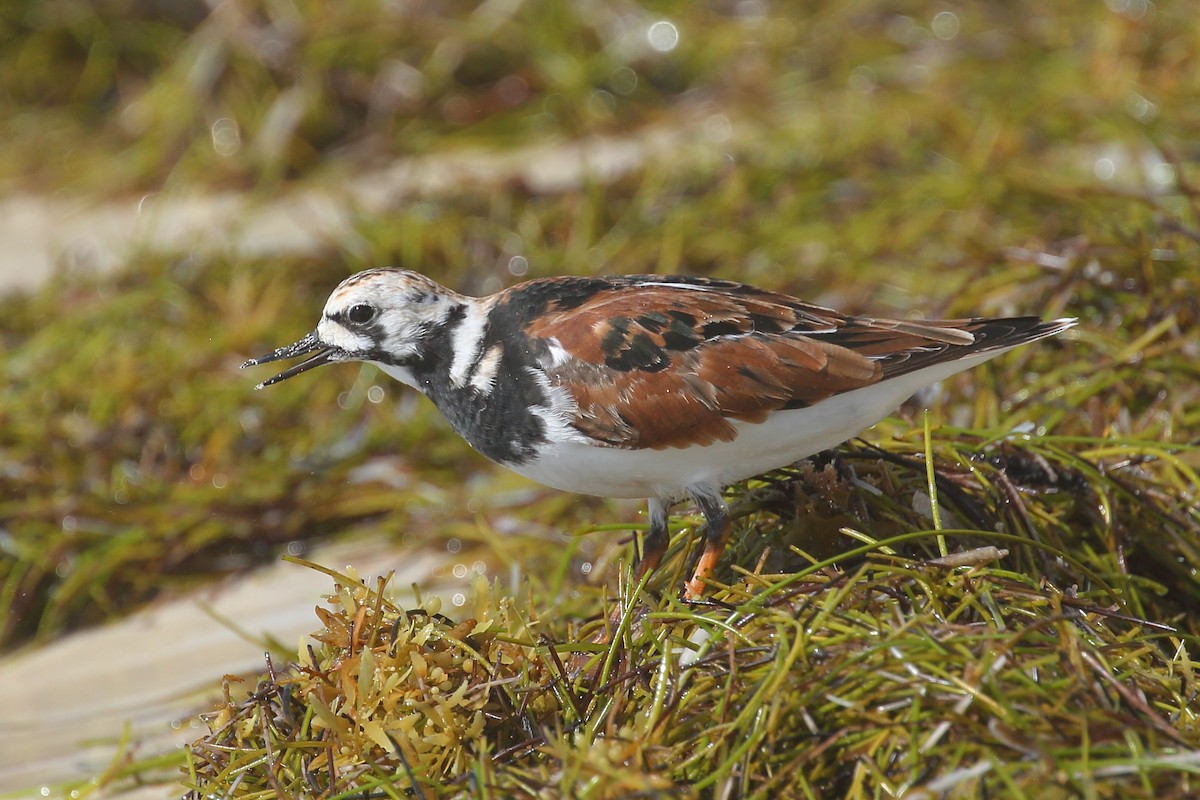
306 345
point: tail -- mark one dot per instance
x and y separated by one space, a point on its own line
989 337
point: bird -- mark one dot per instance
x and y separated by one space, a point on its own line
659 387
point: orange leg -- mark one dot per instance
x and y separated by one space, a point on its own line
716 536
654 541
654 546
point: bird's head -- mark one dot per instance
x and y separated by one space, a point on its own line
381 315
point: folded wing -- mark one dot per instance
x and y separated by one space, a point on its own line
659 362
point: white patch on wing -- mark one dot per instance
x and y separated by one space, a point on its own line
485 371
466 340
559 415
558 353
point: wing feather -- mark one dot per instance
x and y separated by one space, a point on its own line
671 361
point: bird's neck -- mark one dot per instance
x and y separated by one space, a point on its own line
482 379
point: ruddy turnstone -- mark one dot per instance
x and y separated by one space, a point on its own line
650 386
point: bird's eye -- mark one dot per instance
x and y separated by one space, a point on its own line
361 313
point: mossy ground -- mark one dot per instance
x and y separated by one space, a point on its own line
885 158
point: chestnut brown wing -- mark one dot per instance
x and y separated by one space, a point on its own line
656 364
671 361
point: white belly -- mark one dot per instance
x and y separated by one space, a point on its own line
785 437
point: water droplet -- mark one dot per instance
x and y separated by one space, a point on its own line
596 257
945 25
862 79
226 138
751 10
1163 174
457 110
513 90
663 36
250 419
602 104
623 81
1134 9
1140 108
717 128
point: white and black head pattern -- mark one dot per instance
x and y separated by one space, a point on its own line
444 344
386 316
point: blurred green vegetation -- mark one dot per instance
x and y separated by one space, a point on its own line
887 158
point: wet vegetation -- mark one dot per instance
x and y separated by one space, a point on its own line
998 598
